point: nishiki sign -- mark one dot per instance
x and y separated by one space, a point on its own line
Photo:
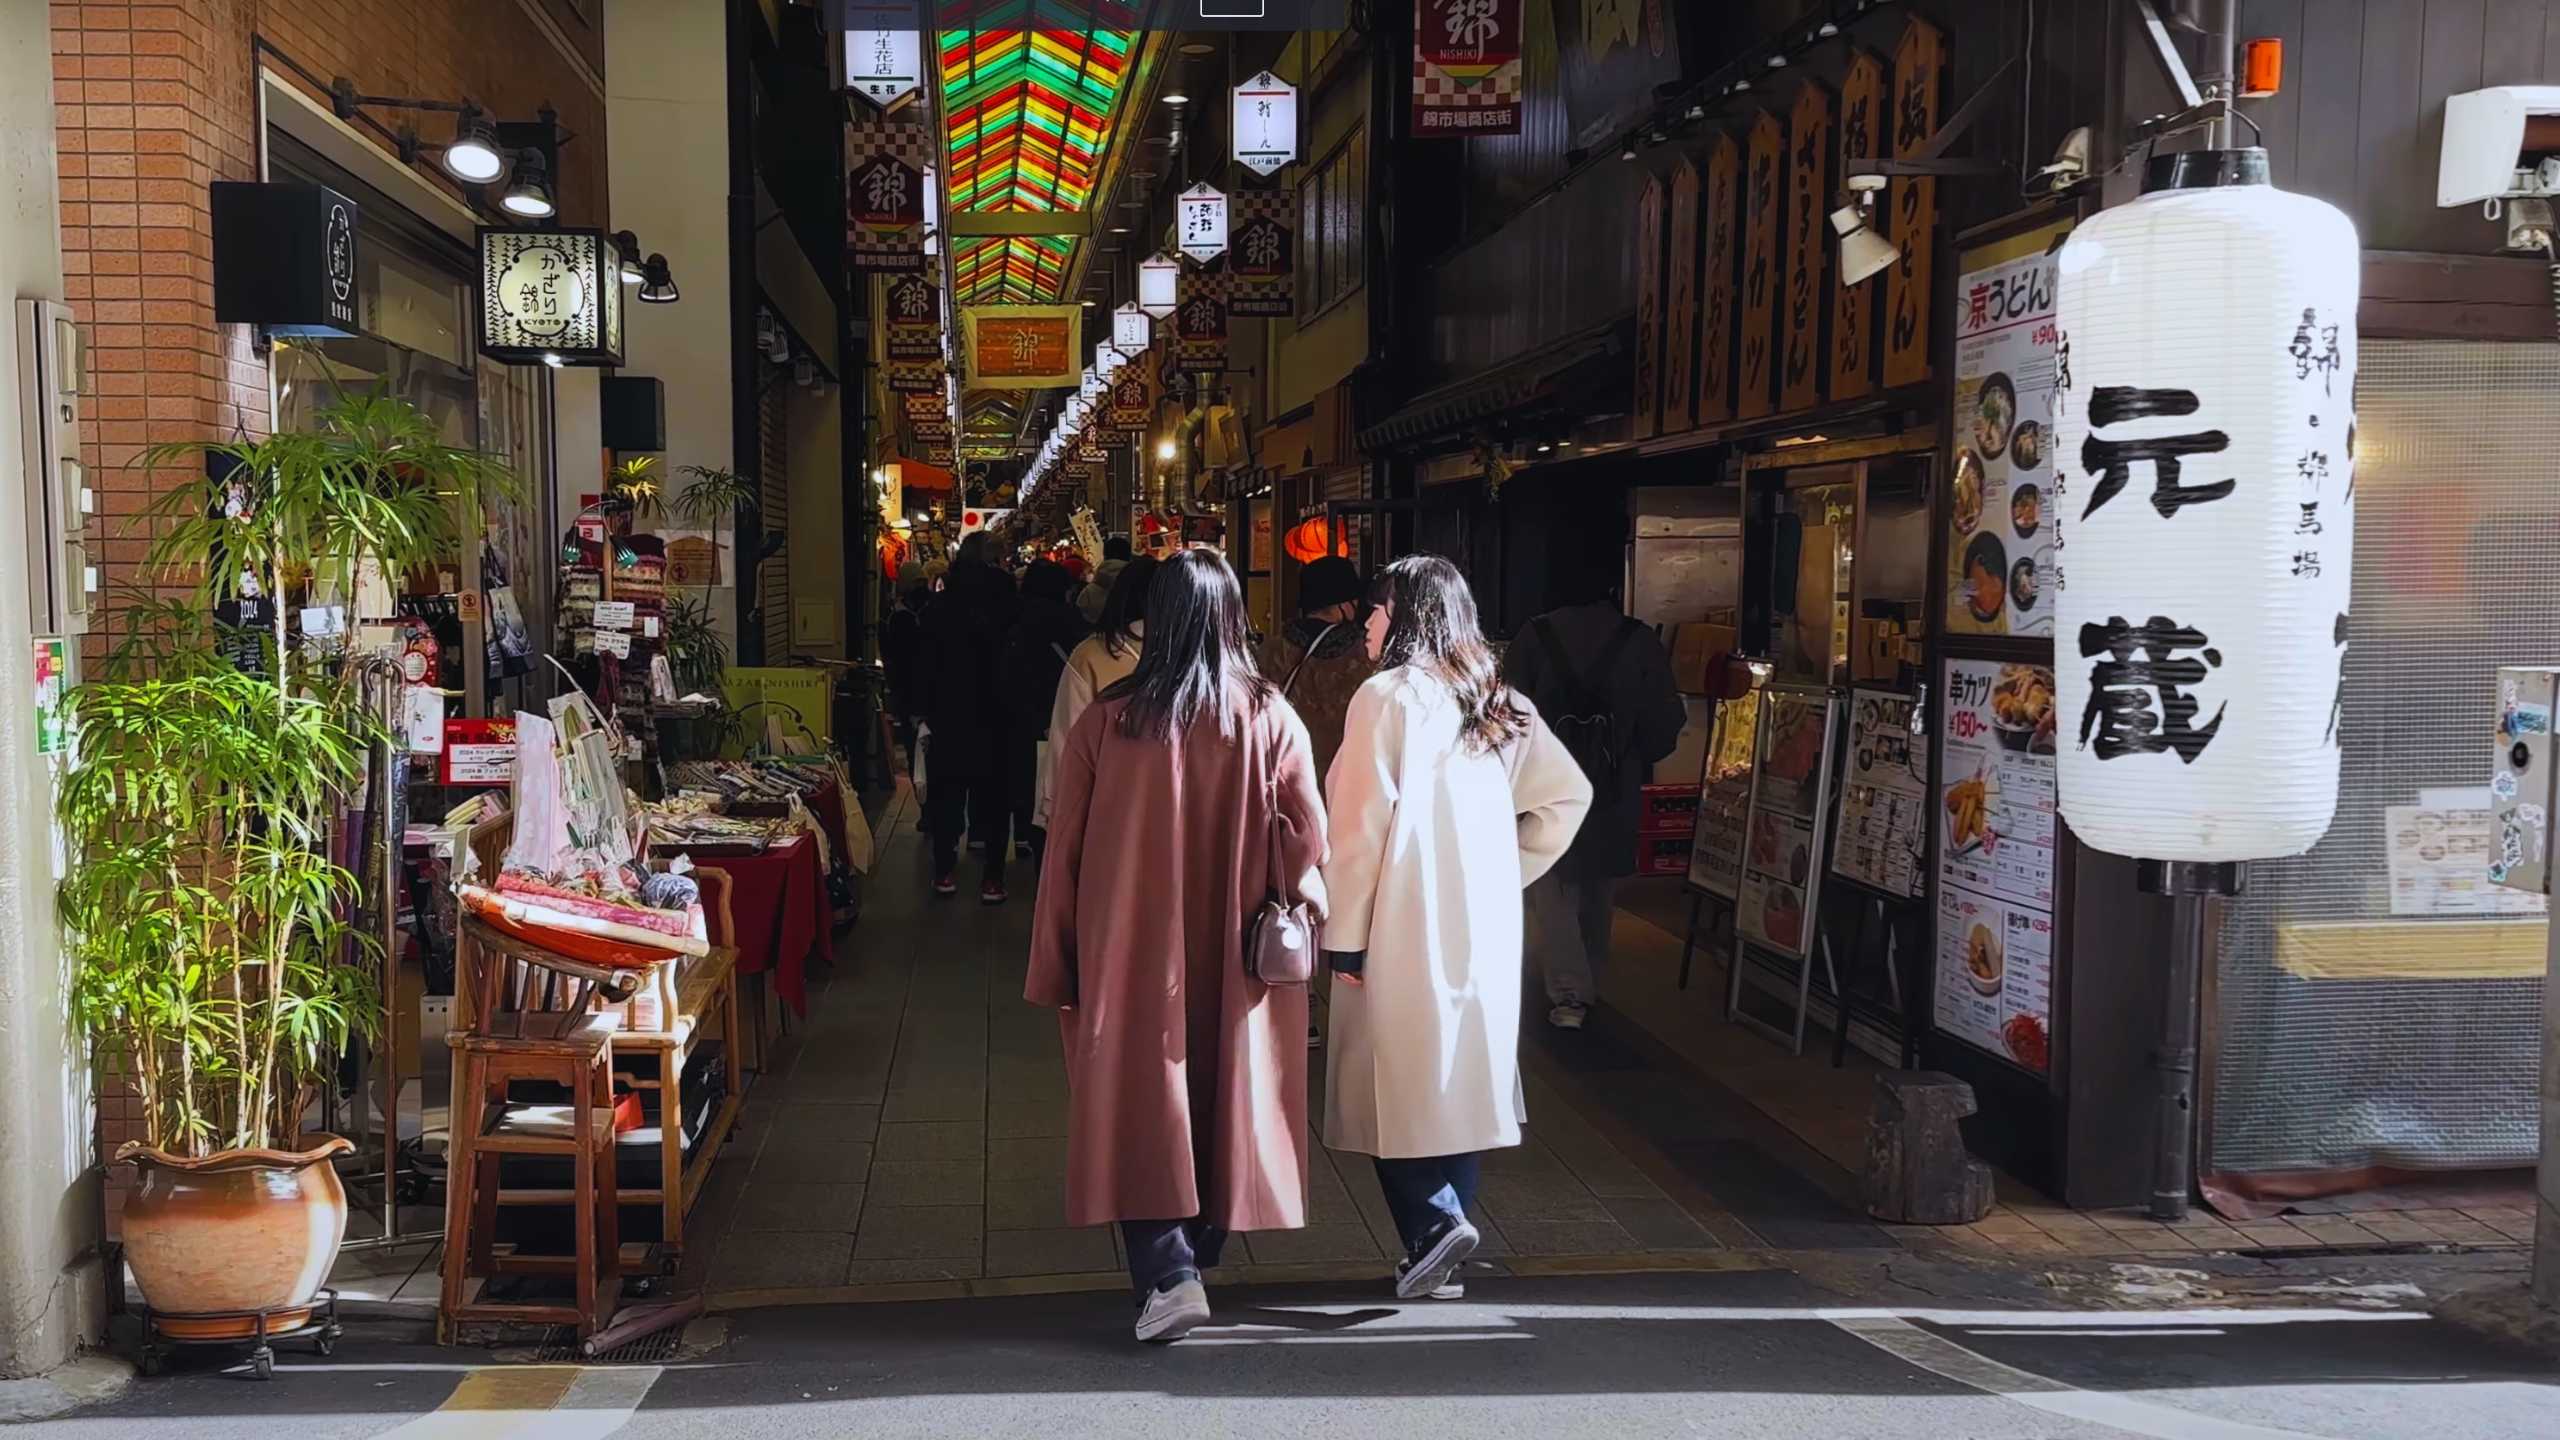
1466 67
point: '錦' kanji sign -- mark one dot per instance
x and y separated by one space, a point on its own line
1023 347
1466 67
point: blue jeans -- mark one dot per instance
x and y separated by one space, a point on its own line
1164 1253
1426 1196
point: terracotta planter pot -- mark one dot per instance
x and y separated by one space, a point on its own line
236 1230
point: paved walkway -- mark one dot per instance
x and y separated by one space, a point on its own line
913 1130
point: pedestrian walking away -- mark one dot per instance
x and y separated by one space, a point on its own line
1184 794
1319 660
963 700
1046 634
1098 662
1449 795
1604 683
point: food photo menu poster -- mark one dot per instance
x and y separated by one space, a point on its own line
2000 550
1996 847
1784 842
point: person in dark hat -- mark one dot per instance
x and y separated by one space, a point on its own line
1321 657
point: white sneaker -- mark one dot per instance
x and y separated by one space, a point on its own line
1426 1275
1567 1017
1451 1289
1172 1314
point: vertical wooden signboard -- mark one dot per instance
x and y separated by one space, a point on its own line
1648 367
1919 62
1763 196
1801 370
1721 209
1853 307
1680 310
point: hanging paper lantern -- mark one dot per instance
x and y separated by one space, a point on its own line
1159 284
1130 326
2202 453
1307 540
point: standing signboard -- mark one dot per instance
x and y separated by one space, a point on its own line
1997 844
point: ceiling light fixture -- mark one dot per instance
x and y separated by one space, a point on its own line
529 189
1777 62
1176 97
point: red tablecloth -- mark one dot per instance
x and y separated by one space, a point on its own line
778 901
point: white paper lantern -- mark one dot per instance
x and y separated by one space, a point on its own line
1130 326
2205 519
1159 284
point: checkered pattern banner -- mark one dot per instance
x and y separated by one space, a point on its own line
1200 319
1466 67
1263 252
887 158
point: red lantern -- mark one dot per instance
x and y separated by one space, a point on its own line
1306 540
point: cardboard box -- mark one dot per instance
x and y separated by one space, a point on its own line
1692 647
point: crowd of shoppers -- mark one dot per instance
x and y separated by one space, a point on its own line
1440 814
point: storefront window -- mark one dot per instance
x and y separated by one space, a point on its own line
1815 544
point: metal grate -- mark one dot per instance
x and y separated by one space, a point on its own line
560 1347
2457 572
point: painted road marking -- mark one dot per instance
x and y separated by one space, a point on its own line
556 1402
1945 1358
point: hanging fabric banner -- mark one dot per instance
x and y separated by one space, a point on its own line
886 162
1200 326
925 405
1265 254
880 50
1128 402
1466 67
1023 347
919 378
915 319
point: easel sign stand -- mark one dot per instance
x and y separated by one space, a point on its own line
1785 848
1717 837
1879 846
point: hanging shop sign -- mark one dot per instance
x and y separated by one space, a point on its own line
1800 365
1107 360
1717 281
925 405
887 165
915 319
1130 327
284 256
1680 303
1466 67
1023 347
1652 208
1264 262
938 452
922 378
881 58
1265 123
1200 222
1853 307
2204 452
1093 385
1919 64
1200 327
2002 524
936 427
550 293
1996 854
1763 198
1128 403
1159 285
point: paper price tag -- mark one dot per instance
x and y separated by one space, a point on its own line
613 615
613 642
649 626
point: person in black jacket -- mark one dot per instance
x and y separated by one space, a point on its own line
962 700
902 647
1047 633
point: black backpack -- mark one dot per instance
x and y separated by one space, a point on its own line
1578 714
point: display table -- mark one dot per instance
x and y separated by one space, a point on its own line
778 900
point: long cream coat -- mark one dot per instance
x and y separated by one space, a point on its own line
1432 845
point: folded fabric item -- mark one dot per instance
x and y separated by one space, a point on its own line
666 922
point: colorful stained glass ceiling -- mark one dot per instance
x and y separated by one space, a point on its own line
1031 91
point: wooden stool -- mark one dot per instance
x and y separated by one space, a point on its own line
523 1027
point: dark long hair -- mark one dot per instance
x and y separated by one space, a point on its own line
1196 661
1432 626
1126 604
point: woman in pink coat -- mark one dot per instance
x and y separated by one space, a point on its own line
1184 797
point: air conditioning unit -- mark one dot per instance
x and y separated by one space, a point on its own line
2501 143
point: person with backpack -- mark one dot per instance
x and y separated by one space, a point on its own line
1047 631
1603 682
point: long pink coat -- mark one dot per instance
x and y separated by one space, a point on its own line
1187 1078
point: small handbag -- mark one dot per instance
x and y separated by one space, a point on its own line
1280 939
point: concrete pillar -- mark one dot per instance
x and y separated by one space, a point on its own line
50 1278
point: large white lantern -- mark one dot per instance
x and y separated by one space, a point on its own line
2204 506
1130 326
1159 284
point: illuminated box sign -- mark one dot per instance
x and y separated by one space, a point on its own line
550 293
1024 347
881 57
284 256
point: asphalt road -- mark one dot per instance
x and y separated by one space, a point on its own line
1746 1354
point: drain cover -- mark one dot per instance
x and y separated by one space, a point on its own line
560 1346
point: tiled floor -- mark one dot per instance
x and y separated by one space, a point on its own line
914 1129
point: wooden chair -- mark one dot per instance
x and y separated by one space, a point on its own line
530 1017
706 1004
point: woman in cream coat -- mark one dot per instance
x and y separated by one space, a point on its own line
1448 797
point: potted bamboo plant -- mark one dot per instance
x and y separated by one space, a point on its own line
206 905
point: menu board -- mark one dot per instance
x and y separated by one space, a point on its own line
1884 798
1724 797
2439 862
2001 551
1996 846
1783 852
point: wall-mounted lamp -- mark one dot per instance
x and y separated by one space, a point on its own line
482 147
1864 254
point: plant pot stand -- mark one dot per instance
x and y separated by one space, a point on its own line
319 1324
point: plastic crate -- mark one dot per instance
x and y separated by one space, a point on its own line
1662 854
1668 810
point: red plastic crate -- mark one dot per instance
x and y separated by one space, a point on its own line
1663 854
1668 810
